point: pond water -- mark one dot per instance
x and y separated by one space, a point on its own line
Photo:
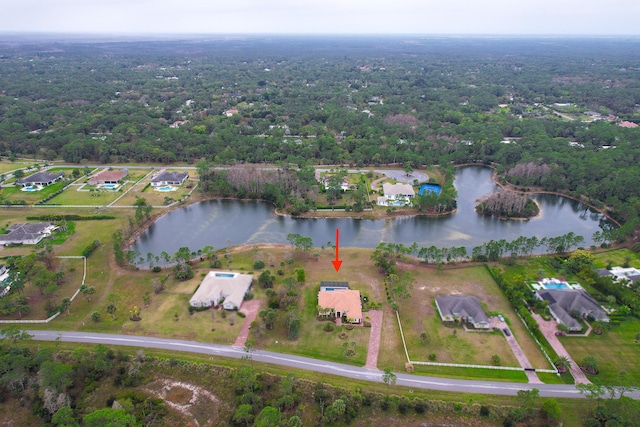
221 223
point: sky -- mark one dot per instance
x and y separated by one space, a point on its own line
456 17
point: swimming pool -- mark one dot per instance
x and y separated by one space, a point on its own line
166 188
432 188
556 285
30 189
110 186
225 275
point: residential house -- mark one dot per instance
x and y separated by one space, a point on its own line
169 178
42 179
341 303
222 287
619 274
27 233
108 177
567 304
396 194
463 308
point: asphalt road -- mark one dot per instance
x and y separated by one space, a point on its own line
216 350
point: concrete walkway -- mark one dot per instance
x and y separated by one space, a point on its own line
517 351
250 309
548 329
375 317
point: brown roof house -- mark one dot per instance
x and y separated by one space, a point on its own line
108 177
341 303
463 308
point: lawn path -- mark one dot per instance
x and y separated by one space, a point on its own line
374 340
250 308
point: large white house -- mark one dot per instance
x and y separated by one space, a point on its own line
27 233
222 287
396 194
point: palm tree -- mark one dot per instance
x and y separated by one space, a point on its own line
563 364
590 364
389 378
600 326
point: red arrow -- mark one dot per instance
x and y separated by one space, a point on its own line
337 262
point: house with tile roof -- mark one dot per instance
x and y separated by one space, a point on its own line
107 176
463 308
567 304
341 303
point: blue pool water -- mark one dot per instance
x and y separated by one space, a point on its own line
555 285
433 188
109 186
30 189
225 275
166 188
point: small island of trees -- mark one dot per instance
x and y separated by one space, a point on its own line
508 204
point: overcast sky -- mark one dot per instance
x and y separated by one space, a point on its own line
517 17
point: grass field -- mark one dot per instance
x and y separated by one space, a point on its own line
14 194
616 350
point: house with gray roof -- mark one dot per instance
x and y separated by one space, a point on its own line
566 304
27 234
464 308
169 178
42 179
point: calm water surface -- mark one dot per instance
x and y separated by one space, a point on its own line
220 223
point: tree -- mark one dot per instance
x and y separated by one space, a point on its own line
551 409
243 415
64 418
388 377
590 364
108 417
56 376
111 309
266 279
408 169
14 334
95 316
268 417
563 364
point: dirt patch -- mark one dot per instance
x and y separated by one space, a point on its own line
197 405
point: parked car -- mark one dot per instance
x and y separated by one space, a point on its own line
500 317
507 332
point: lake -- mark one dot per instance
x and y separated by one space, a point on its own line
221 223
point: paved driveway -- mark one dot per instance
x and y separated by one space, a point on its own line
375 317
250 309
517 351
548 329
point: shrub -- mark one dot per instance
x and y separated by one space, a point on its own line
241 314
367 324
156 269
329 327
484 411
258 265
432 356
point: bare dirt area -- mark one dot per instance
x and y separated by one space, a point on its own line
197 406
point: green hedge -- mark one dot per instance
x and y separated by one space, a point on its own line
69 217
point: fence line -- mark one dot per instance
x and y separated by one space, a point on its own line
75 294
555 370
402 335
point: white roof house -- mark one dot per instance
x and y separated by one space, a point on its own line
398 191
223 287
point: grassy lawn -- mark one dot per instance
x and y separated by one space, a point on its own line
617 258
99 197
8 167
616 350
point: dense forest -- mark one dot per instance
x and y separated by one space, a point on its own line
546 111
